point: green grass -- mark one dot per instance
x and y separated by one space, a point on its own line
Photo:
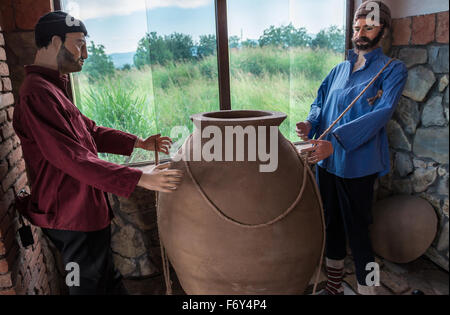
155 99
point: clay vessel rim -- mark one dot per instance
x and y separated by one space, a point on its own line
240 116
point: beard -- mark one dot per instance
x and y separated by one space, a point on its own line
369 43
67 62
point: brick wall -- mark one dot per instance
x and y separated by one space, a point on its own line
31 270
418 132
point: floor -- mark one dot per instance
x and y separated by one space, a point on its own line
419 277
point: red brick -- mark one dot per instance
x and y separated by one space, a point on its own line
5 280
5 148
15 156
10 113
37 246
28 12
7 14
42 279
21 166
15 140
7 130
4 267
10 178
34 263
5 223
21 183
3 169
20 285
12 254
442 28
2 54
8 292
28 255
5 202
35 275
3 116
4 70
6 100
7 242
401 31
7 86
423 29
46 287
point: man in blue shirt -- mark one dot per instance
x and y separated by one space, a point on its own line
358 143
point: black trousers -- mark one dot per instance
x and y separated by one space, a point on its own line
92 252
347 204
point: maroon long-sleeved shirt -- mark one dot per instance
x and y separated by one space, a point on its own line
60 148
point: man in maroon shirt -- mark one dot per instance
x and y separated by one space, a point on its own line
60 147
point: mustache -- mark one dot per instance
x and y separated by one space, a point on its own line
363 39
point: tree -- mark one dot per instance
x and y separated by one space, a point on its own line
332 38
98 65
233 42
207 45
250 43
285 36
180 45
126 67
297 37
271 37
152 49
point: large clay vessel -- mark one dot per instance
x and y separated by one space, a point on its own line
231 229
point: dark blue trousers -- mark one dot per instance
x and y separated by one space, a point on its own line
347 204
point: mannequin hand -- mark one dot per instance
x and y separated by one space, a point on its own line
303 129
320 150
163 143
161 178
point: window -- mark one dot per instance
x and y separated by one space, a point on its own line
280 51
154 63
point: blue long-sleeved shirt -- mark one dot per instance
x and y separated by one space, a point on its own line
359 139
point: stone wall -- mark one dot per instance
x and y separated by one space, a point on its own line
419 131
135 240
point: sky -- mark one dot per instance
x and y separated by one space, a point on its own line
120 24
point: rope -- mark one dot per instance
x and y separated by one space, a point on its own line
355 100
316 190
235 222
165 259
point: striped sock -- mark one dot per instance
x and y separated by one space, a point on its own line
334 283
